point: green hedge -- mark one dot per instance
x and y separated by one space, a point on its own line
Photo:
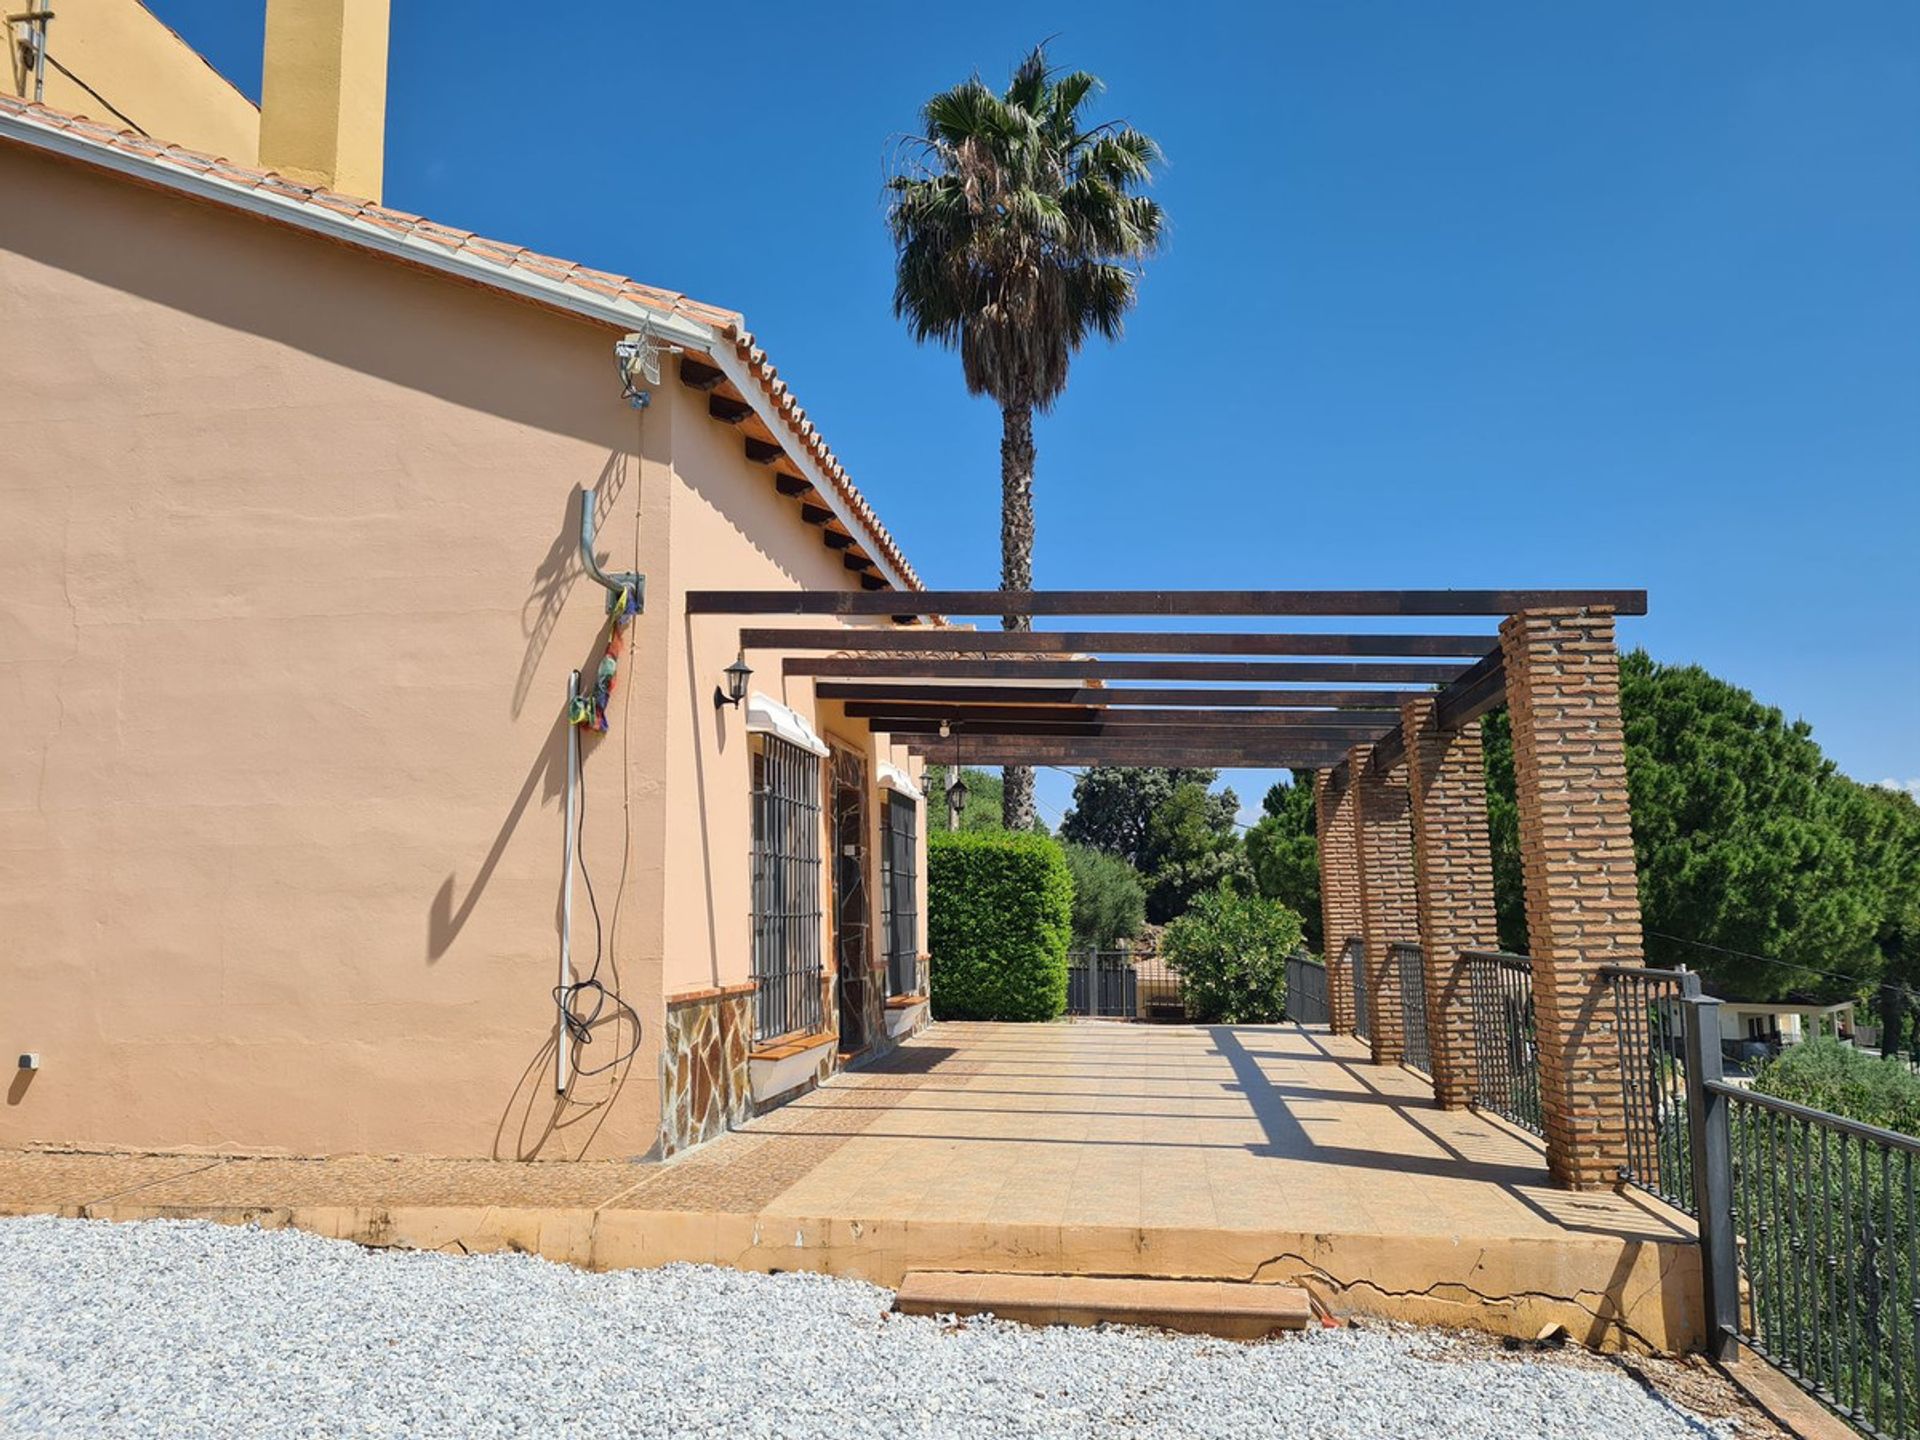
999 914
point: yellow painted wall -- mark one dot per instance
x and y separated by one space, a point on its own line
141 68
288 596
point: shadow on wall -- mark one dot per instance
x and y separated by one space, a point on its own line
560 568
439 337
535 1114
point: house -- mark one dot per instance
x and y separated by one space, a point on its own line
293 594
1752 1031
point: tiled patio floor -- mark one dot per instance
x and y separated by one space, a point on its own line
1269 1153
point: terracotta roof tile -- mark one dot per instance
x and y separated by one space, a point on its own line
729 325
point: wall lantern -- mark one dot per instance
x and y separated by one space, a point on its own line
956 784
738 674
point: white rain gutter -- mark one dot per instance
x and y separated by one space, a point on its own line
625 314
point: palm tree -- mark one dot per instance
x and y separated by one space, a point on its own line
1018 233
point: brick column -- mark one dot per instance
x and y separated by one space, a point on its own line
1339 893
1453 865
1576 850
1383 845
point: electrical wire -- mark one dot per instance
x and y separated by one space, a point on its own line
118 114
580 1026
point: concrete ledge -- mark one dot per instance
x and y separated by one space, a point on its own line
1199 1307
905 1014
775 1071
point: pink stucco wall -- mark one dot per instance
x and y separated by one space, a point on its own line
287 601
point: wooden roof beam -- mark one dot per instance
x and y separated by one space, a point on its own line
698 375
871 667
1367 722
1110 695
1162 602
728 411
1101 750
929 641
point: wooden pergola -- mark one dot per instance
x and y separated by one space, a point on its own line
1387 720
1062 697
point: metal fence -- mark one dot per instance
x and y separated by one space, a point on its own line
1646 1006
1505 1051
1121 984
1820 1214
1307 1002
1354 957
1411 964
1102 985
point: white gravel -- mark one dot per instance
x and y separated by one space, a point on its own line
195 1329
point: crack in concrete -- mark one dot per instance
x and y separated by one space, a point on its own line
1597 1305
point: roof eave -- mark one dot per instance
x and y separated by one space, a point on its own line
662 326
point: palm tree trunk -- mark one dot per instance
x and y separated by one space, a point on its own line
1016 571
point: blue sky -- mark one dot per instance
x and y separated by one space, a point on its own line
1470 294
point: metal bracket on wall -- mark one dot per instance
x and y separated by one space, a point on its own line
622 580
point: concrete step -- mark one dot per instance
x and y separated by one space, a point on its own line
1230 1309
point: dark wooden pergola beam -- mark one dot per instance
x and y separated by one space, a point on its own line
1159 602
838 540
886 667
1177 735
964 717
791 485
858 690
765 452
1098 750
1481 688
926 641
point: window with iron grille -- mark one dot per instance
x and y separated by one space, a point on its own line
787 921
899 891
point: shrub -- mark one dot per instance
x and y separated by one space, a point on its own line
999 914
1841 1080
1231 951
1109 903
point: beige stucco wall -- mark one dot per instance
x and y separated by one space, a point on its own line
732 530
287 602
143 70
288 596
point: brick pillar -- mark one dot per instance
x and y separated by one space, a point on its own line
1576 851
1339 893
1383 845
1453 864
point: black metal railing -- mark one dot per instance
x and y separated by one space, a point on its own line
1506 1053
1354 957
1307 1002
1647 1016
786 913
1415 1051
1819 1212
